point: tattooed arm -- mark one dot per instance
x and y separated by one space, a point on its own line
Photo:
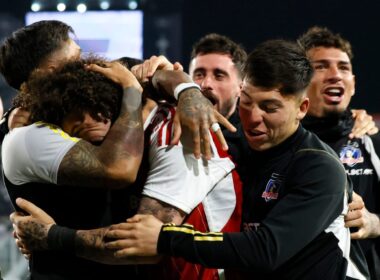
38 231
195 113
116 161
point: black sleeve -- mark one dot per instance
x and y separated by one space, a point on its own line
315 200
61 239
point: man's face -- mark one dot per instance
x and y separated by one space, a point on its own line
333 83
219 80
268 118
83 126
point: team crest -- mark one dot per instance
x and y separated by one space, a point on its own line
272 187
351 154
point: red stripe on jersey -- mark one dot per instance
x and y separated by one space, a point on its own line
178 268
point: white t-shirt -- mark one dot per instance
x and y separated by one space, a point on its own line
176 177
33 153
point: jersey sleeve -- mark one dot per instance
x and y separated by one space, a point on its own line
176 177
34 153
314 202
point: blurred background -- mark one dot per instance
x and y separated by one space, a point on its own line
141 28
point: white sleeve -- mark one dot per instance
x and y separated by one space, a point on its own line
33 153
176 177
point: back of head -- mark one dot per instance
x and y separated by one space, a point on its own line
215 43
71 88
23 51
322 37
279 64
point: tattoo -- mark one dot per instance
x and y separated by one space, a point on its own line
163 211
34 235
117 159
194 106
90 244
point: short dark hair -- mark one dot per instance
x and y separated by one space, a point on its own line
216 43
322 37
24 50
70 88
279 64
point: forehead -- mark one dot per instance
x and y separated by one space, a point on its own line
258 94
329 54
213 61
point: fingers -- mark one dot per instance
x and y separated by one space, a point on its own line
196 142
364 124
360 234
147 69
223 121
205 141
33 210
178 66
176 130
353 216
18 117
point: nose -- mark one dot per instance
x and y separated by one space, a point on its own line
207 83
256 115
88 120
333 74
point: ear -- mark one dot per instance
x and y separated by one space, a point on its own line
303 107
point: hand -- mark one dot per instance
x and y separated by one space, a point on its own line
18 117
368 224
147 69
196 113
31 230
21 246
118 73
364 124
137 237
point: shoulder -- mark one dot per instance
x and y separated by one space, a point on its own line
316 161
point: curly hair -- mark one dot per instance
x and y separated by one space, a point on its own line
216 43
322 37
70 88
23 51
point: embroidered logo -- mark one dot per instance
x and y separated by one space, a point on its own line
351 154
272 187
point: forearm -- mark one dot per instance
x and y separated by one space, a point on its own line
165 81
89 244
163 211
123 147
217 250
115 163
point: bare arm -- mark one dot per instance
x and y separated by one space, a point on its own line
116 161
35 232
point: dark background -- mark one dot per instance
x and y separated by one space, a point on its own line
179 23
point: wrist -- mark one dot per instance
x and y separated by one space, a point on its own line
180 88
61 238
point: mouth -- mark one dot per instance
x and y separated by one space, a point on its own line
333 95
210 96
255 133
